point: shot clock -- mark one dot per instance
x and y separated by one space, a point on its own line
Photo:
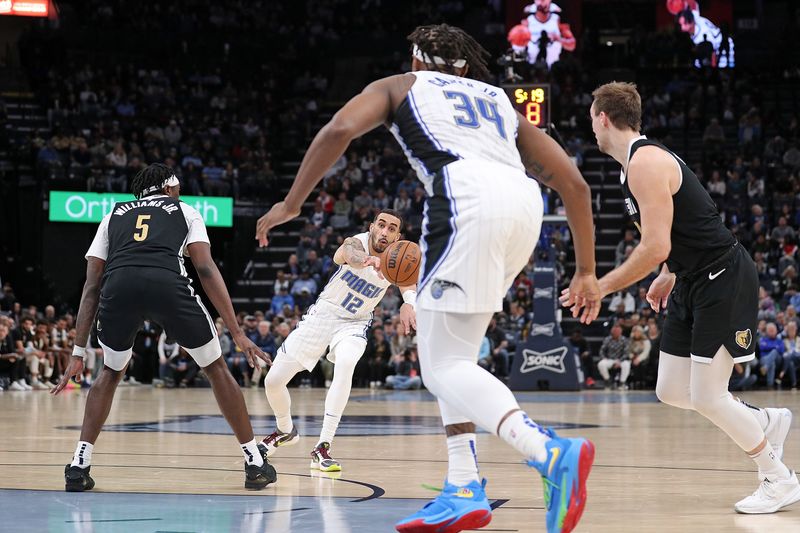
532 100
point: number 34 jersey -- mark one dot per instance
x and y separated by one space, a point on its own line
448 118
353 293
149 233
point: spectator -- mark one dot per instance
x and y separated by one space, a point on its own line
264 340
184 370
624 299
378 355
499 348
628 240
771 353
282 298
406 371
614 353
11 363
639 353
168 350
791 355
581 347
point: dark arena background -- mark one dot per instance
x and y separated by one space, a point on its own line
230 94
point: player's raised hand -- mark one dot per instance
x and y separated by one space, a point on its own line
408 318
276 216
583 294
659 291
74 369
375 262
251 351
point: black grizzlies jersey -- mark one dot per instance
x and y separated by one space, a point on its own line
698 234
148 233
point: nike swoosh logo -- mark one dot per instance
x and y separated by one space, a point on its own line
553 460
715 276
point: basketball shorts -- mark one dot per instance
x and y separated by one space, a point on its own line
480 228
716 306
130 295
320 329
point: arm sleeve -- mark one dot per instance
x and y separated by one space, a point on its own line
99 247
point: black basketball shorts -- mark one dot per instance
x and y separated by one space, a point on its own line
129 295
716 306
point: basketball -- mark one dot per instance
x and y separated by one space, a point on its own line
519 35
675 6
400 263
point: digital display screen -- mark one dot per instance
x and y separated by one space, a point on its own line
91 207
25 8
532 100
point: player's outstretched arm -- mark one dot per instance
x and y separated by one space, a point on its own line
364 112
87 310
213 284
649 175
547 162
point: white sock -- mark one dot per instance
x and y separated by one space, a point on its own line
463 461
83 454
525 435
769 463
329 425
251 454
761 414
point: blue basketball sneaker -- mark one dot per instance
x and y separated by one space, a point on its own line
564 474
455 509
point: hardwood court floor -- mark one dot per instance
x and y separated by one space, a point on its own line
167 462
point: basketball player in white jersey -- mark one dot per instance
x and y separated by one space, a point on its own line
483 214
545 16
707 281
701 29
338 321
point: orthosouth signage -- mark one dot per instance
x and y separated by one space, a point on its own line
91 207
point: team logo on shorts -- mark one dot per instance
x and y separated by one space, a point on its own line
744 338
439 286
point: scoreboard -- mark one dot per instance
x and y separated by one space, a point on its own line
532 100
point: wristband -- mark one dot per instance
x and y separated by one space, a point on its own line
79 351
410 297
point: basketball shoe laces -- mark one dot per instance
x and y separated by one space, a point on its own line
276 438
322 450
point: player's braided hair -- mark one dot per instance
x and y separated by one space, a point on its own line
451 44
150 176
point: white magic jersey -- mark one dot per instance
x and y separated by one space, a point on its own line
447 118
549 26
353 292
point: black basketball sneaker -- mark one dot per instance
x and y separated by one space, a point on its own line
258 477
77 479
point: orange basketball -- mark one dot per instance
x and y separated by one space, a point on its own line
400 263
675 6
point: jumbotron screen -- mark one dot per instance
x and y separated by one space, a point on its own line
25 8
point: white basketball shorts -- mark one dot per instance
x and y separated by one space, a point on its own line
480 228
319 329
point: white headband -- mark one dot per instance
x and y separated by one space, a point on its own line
169 182
425 58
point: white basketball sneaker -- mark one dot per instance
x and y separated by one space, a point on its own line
771 496
780 420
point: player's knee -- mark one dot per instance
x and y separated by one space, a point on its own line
671 395
709 402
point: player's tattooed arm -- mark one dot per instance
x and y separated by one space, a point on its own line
351 252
